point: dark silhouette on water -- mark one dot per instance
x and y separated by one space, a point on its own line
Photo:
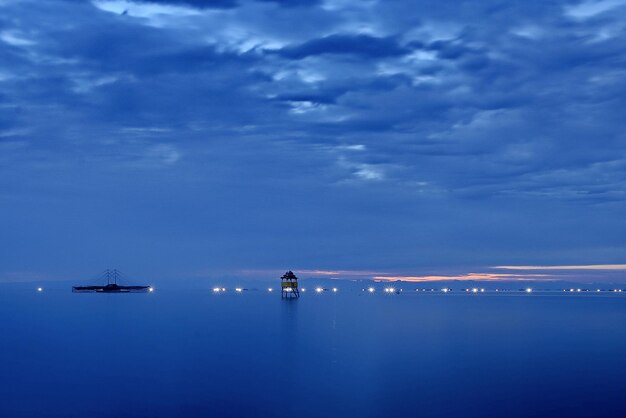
111 276
289 285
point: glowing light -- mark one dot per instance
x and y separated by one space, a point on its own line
371 289
319 289
597 290
578 290
474 290
238 289
270 289
151 289
303 290
390 289
334 289
529 290
445 290
482 290
217 289
40 289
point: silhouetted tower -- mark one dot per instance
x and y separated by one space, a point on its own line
289 285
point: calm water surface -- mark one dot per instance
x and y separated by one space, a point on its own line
186 353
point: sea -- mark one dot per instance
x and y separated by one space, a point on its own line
196 352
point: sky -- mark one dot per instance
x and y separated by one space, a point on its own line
395 138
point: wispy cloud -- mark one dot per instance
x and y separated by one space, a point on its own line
566 267
316 272
587 9
467 277
341 272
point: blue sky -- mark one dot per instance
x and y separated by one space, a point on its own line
191 138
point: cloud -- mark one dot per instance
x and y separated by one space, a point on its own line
587 9
574 267
371 136
365 46
222 4
343 273
201 4
294 3
487 277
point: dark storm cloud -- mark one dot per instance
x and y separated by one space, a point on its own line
422 127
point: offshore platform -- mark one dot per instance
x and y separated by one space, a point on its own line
111 276
289 285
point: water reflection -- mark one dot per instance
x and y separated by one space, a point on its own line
337 354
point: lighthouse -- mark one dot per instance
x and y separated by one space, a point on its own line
289 285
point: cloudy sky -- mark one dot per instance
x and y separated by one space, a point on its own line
190 138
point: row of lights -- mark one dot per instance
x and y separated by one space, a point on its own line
393 290
482 290
150 289
269 289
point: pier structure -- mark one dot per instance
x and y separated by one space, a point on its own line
111 276
289 285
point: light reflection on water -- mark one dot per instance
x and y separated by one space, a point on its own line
183 353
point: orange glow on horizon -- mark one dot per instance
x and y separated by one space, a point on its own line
579 267
466 277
